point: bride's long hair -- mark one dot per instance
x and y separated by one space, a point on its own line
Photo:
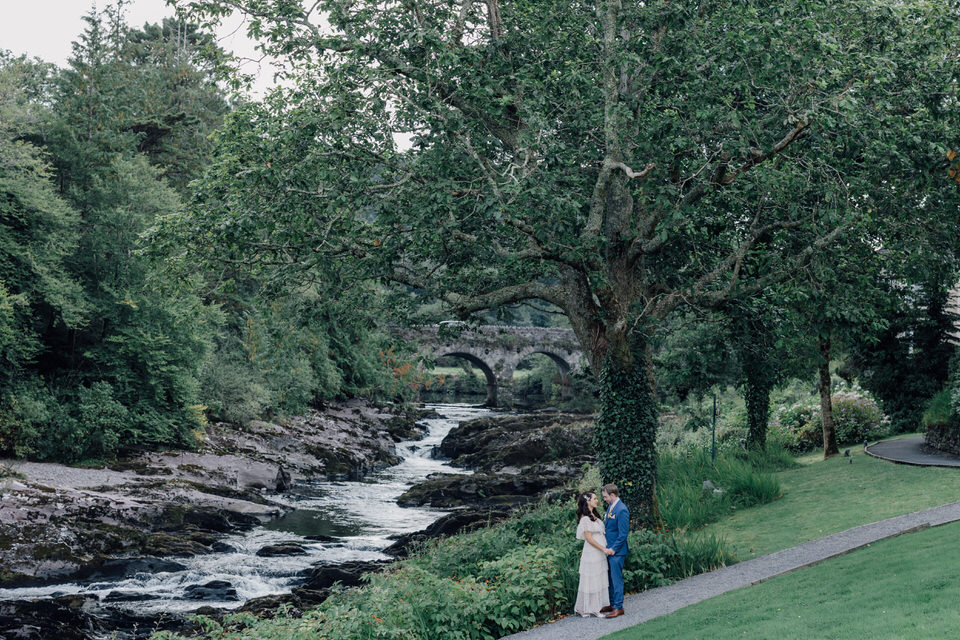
583 509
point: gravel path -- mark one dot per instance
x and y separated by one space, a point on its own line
657 602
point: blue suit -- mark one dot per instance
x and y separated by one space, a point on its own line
617 527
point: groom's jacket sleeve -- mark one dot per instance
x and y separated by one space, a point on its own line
619 545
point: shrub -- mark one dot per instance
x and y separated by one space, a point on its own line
101 421
797 428
24 414
939 412
732 434
856 418
231 390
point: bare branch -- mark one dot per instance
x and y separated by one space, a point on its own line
494 20
797 263
721 178
634 174
456 35
700 189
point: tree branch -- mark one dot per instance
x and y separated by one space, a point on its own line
494 20
467 304
720 176
760 156
456 35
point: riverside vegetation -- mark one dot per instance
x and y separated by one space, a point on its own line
511 575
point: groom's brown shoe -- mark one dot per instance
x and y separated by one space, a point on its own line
614 613
606 609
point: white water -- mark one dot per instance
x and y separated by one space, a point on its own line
361 515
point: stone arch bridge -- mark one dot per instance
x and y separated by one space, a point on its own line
497 350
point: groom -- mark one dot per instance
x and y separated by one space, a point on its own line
617 524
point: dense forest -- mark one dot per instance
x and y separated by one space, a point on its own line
108 344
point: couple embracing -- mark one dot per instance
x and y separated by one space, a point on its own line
604 553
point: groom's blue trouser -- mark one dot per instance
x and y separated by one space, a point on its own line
615 567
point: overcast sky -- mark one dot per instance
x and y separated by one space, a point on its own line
45 28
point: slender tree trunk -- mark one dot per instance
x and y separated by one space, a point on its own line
826 407
626 431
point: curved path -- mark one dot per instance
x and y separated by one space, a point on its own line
654 603
913 451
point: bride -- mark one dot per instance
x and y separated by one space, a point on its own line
592 594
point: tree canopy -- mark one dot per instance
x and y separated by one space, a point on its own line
618 160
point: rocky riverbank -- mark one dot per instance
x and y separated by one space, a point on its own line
143 513
58 522
517 459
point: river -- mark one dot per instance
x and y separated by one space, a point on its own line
360 516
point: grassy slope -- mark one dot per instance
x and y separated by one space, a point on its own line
903 587
898 588
827 496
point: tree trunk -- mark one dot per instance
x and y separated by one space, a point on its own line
626 431
826 407
757 397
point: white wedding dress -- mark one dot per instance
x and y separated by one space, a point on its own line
592 594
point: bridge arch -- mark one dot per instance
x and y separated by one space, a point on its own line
564 368
488 373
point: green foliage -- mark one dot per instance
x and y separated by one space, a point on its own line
797 427
857 419
692 358
38 229
910 361
102 349
230 388
525 175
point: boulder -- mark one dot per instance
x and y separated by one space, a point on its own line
282 549
348 574
450 491
322 538
283 480
126 567
450 524
213 590
128 596
266 606
79 617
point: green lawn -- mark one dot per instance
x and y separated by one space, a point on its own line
903 587
826 496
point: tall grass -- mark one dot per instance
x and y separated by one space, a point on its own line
742 480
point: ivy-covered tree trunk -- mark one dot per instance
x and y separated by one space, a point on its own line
757 396
826 407
626 431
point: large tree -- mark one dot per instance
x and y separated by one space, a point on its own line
618 160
